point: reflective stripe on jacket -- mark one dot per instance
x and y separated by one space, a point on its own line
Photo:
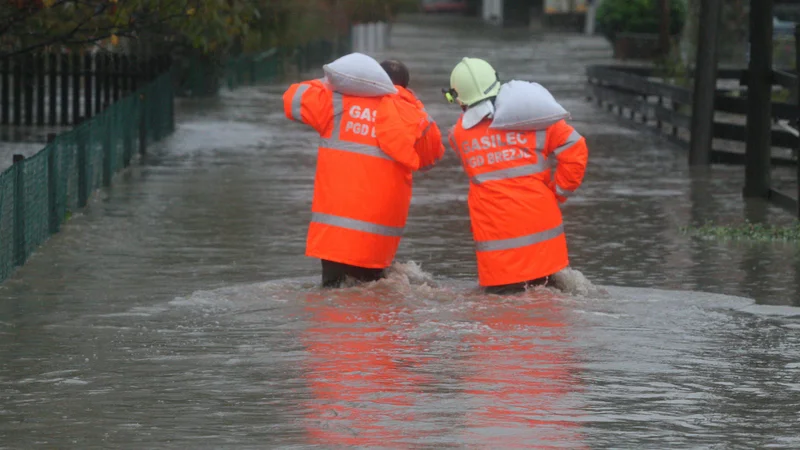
513 197
362 189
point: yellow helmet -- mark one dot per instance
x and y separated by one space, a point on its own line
473 81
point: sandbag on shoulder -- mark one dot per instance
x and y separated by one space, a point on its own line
526 106
359 75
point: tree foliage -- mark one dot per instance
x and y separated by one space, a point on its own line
377 10
27 25
637 16
207 25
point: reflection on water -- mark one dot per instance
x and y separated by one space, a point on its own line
360 369
506 380
408 363
520 380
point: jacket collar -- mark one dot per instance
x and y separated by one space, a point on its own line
475 114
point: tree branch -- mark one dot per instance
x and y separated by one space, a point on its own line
98 33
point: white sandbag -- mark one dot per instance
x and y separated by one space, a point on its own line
526 106
359 75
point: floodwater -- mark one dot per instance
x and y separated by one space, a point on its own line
179 312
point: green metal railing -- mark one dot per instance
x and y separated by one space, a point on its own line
37 194
253 69
268 66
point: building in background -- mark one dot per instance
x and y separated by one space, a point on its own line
567 14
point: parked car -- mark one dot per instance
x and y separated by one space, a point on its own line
450 6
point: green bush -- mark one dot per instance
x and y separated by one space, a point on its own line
637 16
745 231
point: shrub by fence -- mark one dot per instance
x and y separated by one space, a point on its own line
38 193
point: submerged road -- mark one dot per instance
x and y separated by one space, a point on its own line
179 312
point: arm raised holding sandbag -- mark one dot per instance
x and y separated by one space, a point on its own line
309 102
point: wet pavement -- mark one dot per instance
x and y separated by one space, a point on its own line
179 312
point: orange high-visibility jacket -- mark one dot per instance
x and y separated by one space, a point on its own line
513 197
362 186
403 118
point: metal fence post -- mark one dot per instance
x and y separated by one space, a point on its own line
127 143
171 97
107 130
54 220
83 178
142 126
19 210
758 151
252 68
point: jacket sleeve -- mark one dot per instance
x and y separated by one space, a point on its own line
428 142
571 154
311 103
429 146
396 127
451 139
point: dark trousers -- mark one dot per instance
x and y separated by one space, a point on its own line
507 289
334 273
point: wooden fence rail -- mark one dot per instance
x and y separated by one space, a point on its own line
666 109
61 89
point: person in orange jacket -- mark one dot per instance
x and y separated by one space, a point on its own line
514 192
402 117
371 141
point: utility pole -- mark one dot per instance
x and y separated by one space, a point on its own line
759 101
705 84
663 38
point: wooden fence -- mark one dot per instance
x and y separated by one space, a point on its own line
666 109
63 89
